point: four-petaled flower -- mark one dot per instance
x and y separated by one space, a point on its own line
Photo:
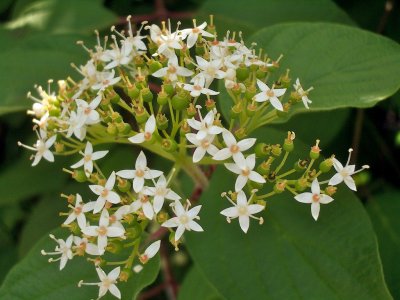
206 125
105 193
269 94
315 198
184 219
145 136
63 248
78 212
88 157
233 148
107 282
243 210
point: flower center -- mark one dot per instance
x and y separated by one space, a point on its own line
270 93
184 219
139 173
234 148
102 230
242 210
197 87
144 199
87 158
104 193
78 210
87 110
195 30
205 144
147 136
246 172
316 197
171 69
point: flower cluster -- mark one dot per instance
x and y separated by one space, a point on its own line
159 97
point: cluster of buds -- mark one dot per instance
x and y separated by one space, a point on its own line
158 96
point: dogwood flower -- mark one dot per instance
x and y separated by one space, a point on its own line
104 80
302 93
78 212
269 94
205 126
41 147
76 126
209 70
234 149
107 282
143 202
117 56
140 173
243 210
105 193
173 70
88 110
63 248
315 198
88 157
244 168
192 34
83 246
202 146
145 136
198 88
184 219
160 192
345 173
103 231
150 252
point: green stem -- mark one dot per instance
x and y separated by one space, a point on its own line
282 162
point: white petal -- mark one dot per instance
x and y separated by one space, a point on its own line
114 231
115 291
137 139
255 208
141 161
179 231
110 181
78 164
240 182
198 154
148 210
254 176
138 184
194 211
113 197
99 154
246 144
230 212
128 174
233 168
315 210
336 179
276 103
99 205
244 222
315 189
90 230
150 124
325 199
350 183
170 223
304 197
262 86
241 198
222 154
152 249
195 226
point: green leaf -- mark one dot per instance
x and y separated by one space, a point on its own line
8 253
248 16
384 212
290 256
35 278
58 16
348 67
196 287
35 60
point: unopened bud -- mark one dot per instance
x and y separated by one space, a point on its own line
276 150
330 190
262 150
280 186
315 150
326 165
169 145
301 184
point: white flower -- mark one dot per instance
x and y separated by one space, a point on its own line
88 110
234 149
269 94
150 252
78 212
119 214
205 126
118 56
42 148
77 126
302 93
143 202
140 173
243 210
63 248
173 70
160 192
105 193
193 33
209 70
107 282
83 246
88 157
184 219
202 146
244 168
103 231
145 136
315 198
198 88
104 80
345 173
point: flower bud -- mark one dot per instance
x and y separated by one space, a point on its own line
276 150
240 133
116 117
326 165
262 202
301 184
251 91
168 88
185 128
74 228
154 66
210 104
199 49
180 101
141 115
124 185
134 231
262 150
330 190
112 129
124 128
264 168
236 110
162 122
133 92
288 145
261 73
79 175
242 72
280 186
162 98
59 147
162 216
114 247
315 150
300 165
169 145
271 176
147 95
251 109
114 97
191 111
125 274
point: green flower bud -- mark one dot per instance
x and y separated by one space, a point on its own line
141 115
162 122
134 230
242 72
261 73
112 129
79 175
191 111
288 145
251 109
276 150
116 117
114 97
330 190
133 92
169 145
264 168
300 165
125 274
240 133
147 95
326 165
162 98
284 113
236 110
315 150
104 103
74 228
180 101
154 66
262 202
54 111
123 185
139 61
59 147
251 91
168 88
189 63
210 104
262 149
162 216
280 186
185 128
301 184
199 49
114 247
236 90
